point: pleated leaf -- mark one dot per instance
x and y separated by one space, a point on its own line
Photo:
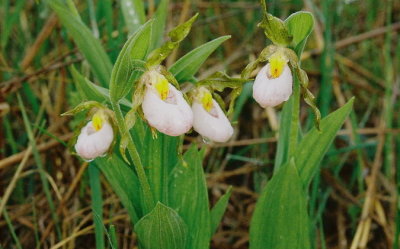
189 197
124 182
280 219
162 228
159 155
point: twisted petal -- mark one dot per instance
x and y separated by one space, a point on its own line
269 91
213 125
171 116
92 143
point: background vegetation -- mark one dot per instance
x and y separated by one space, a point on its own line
354 51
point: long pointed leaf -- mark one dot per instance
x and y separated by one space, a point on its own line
88 45
315 144
187 66
280 219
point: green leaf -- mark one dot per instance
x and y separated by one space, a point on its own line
162 228
134 14
130 63
97 205
160 19
124 182
189 197
86 88
88 45
315 144
187 66
218 211
159 155
300 26
280 219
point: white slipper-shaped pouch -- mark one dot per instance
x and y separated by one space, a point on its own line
208 118
165 108
273 83
95 138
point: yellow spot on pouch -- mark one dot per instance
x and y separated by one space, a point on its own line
97 121
277 63
206 100
162 87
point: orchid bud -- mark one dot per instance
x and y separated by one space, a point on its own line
164 107
208 118
273 84
95 137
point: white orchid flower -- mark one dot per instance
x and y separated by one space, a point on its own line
273 84
209 119
95 137
164 107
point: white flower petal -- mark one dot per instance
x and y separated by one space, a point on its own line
172 116
215 127
91 144
272 92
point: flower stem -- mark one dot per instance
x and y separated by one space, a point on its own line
294 124
148 197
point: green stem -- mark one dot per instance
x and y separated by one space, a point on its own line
148 197
294 124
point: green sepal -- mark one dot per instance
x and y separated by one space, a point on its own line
176 35
181 31
220 80
83 107
264 56
274 28
303 78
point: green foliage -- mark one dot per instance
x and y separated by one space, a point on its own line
300 25
129 63
280 219
315 144
124 182
186 67
274 28
97 205
176 35
88 45
160 20
189 197
134 14
218 211
162 228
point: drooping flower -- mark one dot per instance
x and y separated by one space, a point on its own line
273 83
95 137
208 118
164 107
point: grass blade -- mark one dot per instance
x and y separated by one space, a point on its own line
97 205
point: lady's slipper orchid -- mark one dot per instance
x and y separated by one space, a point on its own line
273 84
164 107
209 120
95 137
